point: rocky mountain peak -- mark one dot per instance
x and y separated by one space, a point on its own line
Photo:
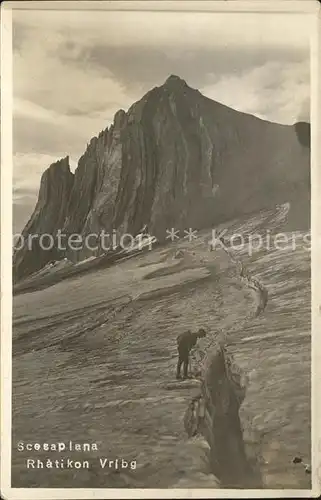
176 159
60 166
175 80
176 87
58 174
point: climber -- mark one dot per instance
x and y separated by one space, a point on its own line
185 342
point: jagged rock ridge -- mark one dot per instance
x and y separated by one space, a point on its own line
175 159
47 218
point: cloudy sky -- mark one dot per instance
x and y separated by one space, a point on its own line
72 70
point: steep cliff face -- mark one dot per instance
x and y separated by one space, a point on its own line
96 181
47 218
191 162
182 160
178 159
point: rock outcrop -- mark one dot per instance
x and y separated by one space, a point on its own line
223 393
175 159
37 244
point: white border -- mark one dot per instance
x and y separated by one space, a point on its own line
289 6
6 239
315 253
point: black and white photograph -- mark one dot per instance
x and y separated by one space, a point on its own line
156 280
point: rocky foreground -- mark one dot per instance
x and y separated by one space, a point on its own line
95 356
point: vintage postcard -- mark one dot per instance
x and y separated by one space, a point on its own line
160 260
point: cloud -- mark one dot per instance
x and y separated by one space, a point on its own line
28 168
21 213
86 57
58 107
274 91
37 129
33 134
140 68
172 29
304 113
27 171
41 76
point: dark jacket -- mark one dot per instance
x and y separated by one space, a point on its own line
186 341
